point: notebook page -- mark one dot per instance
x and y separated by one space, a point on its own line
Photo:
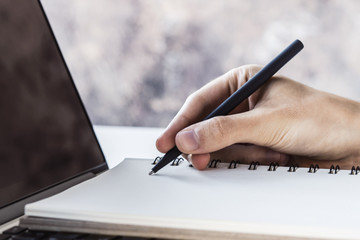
281 202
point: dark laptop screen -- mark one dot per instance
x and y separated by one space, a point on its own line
45 135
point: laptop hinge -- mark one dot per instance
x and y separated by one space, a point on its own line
17 209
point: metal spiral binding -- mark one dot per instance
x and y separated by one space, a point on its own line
313 168
253 165
273 166
233 164
176 161
157 159
293 167
354 170
334 170
214 162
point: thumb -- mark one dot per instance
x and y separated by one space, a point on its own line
218 132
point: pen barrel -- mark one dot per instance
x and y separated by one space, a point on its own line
257 80
171 155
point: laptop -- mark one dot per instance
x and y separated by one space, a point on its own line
47 143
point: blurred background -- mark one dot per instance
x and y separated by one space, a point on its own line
135 61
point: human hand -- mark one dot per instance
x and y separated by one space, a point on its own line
283 121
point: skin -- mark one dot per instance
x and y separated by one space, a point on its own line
284 121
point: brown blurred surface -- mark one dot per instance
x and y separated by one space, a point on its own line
135 61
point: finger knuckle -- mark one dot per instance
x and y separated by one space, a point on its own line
251 67
190 98
219 127
184 119
195 97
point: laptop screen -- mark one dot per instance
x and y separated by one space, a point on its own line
45 134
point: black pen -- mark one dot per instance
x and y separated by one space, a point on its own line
241 94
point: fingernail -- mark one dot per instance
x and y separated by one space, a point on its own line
187 140
189 158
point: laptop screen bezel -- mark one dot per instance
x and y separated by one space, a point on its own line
15 208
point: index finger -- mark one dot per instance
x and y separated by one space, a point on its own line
201 103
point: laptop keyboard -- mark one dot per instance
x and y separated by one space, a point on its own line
20 233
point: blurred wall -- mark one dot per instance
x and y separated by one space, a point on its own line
135 61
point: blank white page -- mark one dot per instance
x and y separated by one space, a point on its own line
260 201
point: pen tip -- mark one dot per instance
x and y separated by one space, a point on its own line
151 173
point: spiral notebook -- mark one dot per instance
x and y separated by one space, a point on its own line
225 201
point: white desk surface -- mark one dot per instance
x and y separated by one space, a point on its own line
118 143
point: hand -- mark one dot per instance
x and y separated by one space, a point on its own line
284 121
